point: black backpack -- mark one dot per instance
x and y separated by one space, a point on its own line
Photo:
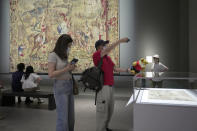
92 78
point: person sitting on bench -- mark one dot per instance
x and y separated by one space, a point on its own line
30 81
16 82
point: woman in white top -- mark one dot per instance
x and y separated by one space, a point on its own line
157 68
59 69
30 81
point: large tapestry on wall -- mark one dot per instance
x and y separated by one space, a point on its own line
35 26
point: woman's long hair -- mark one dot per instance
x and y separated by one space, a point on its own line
62 46
28 71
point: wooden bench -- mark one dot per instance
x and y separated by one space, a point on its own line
8 97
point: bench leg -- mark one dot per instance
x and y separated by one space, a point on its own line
8 101
51 103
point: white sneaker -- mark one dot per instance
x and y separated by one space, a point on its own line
40 101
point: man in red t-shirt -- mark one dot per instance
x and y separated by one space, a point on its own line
105 98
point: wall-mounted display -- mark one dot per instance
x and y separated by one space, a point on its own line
35 26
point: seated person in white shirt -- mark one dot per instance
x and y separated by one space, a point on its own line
157 68
30 81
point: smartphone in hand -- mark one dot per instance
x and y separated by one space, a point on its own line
74 61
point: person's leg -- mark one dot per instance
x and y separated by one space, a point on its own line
160 84
154 84
102 109
34 90
19 99
28 100
71 113
61 95
143 83
62 112
40 101
111 105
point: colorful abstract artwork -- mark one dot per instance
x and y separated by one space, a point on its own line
35 25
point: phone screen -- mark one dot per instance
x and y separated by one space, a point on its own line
74 61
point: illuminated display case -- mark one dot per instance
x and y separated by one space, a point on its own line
171 106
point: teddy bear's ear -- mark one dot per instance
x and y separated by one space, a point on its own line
134 63
142 59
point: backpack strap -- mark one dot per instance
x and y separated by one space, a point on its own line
99 66
100 63
95 97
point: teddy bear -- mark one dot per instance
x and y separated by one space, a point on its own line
138 66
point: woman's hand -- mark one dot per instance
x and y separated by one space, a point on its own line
38 80
53 72
70 67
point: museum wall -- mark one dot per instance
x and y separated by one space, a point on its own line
126 30
193 35
4 36
154 26
184 36
161 29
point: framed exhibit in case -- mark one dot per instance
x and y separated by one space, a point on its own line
169 96
170 108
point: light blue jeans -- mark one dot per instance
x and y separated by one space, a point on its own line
63 93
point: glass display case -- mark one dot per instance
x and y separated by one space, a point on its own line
165 88
164 101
